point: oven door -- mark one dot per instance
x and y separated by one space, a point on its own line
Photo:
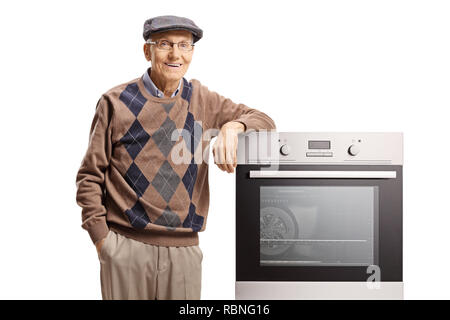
319 223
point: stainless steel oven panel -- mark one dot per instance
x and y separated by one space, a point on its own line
372 148
279 290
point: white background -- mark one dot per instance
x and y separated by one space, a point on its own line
310 65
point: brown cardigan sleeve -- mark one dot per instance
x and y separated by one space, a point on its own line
91 175
220 110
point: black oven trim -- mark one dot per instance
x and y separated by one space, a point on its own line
388 253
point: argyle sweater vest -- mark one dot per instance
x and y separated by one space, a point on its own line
144 174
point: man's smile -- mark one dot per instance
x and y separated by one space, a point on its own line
173 65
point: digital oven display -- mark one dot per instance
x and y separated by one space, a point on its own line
319 144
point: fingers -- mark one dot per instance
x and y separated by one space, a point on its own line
218 152
224 152
229 151
229 160
235 155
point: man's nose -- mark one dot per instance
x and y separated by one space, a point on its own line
175 51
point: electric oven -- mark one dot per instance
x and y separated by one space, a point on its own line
319 216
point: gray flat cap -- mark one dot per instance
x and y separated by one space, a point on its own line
166 23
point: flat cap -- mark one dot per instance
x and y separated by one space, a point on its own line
166 23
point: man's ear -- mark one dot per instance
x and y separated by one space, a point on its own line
147 52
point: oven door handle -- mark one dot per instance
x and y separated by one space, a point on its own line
323 174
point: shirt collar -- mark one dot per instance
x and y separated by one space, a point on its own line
152 89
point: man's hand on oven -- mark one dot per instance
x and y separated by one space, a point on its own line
225 147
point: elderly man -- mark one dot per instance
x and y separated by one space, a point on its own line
143 182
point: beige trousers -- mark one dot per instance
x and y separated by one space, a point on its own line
130 269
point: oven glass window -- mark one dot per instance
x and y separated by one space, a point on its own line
318 225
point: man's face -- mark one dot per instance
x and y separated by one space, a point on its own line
160 58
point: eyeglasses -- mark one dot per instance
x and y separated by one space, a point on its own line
167 45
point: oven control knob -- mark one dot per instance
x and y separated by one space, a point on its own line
353 150
285 149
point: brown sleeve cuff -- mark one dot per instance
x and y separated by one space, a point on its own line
98 231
